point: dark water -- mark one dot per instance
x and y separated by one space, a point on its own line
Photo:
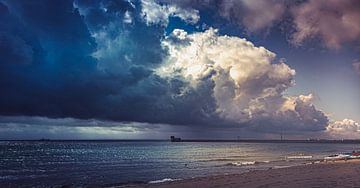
44 164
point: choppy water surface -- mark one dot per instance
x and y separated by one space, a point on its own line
43 164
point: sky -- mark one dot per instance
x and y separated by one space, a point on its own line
148 69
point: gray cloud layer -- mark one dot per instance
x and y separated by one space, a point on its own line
356 65
334 22
255 15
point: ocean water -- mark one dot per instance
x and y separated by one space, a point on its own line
95 163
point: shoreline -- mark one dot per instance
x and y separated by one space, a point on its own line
341 173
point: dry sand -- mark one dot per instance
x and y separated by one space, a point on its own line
325 174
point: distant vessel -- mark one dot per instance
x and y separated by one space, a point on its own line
44 139
174 139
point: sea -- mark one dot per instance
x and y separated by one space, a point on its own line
115 163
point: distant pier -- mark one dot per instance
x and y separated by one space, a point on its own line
325 141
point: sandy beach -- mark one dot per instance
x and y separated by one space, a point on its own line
324 174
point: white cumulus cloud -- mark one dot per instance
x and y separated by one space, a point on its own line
248 87
346 128
155 13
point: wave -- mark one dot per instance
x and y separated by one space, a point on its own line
284 166
9 177
246 163
220 159
163 180
299 157
229 158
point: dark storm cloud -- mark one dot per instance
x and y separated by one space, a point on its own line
70 122
82 59
60 47
304 118
36 127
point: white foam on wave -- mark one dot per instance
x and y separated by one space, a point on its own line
300 157
164 180
242 163
8 177
246 163
285 166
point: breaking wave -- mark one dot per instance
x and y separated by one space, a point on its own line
246 163
163 180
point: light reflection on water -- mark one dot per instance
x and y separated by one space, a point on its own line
99 163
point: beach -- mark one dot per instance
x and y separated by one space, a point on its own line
324 174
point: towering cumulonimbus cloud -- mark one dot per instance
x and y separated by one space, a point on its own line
248 87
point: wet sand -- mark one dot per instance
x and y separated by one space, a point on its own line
324 174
